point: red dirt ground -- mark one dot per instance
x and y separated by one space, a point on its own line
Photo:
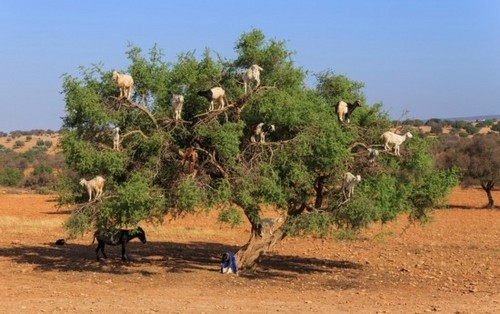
450 265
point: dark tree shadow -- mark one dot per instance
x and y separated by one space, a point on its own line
286 266
171 256
483 207
64 212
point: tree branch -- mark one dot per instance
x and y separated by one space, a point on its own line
128 103
133 132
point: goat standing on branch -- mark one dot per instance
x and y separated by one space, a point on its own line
124 82
344 110
252 73
191 157
216 94
260 131
177 102
95 185
116 138
348 184
372 154
396 139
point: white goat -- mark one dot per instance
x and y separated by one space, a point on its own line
95 185
116 138
260 130
252 73
124 82
372 154
177 102
348 184
216 94
396 139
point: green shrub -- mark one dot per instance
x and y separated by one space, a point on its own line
230 216
18 144
11 177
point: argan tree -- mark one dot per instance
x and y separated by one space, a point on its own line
478 158
298 170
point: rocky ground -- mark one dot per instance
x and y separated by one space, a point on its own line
450 265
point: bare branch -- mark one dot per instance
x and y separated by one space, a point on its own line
133 132
128 103
213 161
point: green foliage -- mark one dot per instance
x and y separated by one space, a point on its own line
135 201
297 170
484 123
478 159
224 138
413 122
42 168
79 222
3 149
18 144
335 88
496 127
231 216
11 177
187 195
471 129
314 223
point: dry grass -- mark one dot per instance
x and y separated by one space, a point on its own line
28 226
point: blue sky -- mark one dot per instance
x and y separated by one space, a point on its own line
429 58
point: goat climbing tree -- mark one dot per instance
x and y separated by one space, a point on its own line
298 170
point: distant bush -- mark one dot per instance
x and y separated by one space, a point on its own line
41 142
40 180
15 134
471 129
459 124
42 168
436 128
29 138
496 127
3 148
433 121
484 123
413 122
11 177
18 144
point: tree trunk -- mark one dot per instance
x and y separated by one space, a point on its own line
491 202
257 245
319 186
487 187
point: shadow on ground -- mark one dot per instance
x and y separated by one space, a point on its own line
154 257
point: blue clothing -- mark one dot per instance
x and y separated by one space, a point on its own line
228 260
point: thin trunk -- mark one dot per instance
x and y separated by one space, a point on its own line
491 202
319 187
487 187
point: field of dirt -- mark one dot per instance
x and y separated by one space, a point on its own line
451 265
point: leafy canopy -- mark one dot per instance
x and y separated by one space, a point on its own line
298 170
